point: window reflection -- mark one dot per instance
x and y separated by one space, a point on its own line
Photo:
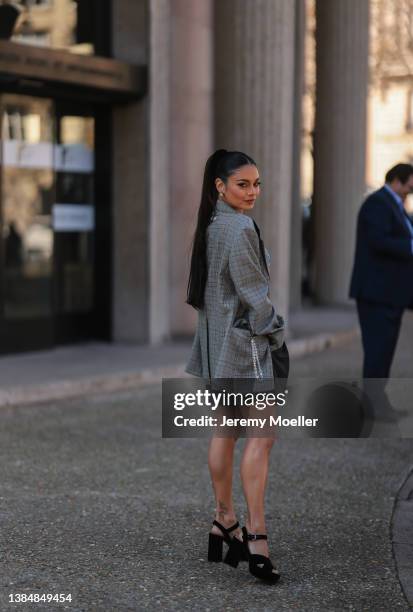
27 196
74 213
60 24
48 210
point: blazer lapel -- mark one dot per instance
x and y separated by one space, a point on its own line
262 248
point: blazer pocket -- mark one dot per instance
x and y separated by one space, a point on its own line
245 353
241 323
242 332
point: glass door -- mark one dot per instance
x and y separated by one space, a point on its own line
54 272
27 195
74 223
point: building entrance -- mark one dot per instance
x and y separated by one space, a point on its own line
52 290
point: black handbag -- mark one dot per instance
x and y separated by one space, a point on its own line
281 363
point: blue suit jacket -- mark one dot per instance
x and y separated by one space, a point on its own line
383 263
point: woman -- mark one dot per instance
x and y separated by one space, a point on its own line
239 335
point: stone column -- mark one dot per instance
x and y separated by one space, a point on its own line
296 246
159 171
254 66
191 125
340 141
141 177
131 214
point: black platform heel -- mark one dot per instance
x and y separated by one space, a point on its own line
259 565
235 546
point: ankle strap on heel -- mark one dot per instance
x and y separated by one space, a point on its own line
253 536
226 531
257 536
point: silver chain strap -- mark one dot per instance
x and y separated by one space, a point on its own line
255 360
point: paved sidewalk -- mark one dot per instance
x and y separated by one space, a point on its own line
95 367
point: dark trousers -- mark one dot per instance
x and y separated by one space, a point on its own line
380 326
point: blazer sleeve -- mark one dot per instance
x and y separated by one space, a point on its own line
377 221
252 287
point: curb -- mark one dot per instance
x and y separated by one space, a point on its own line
401 531
315 344
109 383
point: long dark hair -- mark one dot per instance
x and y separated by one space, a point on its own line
220 164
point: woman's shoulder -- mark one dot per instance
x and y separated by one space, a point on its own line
232 224
227 231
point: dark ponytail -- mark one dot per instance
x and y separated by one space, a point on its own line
220 164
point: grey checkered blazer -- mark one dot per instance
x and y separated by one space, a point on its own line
237 303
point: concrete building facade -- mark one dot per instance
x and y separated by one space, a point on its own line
220 73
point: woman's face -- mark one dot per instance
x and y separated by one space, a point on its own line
241 189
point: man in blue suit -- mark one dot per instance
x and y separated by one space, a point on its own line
382 279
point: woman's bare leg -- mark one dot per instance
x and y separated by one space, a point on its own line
220 462
254 475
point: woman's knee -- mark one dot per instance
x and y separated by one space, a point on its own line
260 446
